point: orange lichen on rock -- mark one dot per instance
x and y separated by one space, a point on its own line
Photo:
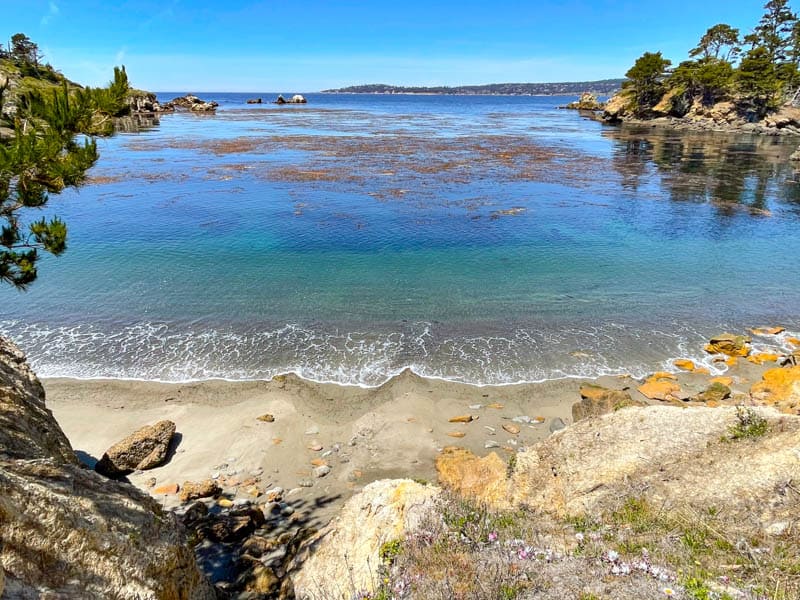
729 344
660 386
780 388
684 364
481 479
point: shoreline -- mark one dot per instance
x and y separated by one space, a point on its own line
393 430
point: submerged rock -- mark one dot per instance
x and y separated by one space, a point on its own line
143 449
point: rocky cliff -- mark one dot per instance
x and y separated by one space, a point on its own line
66 531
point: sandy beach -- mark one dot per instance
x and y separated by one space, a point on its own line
362 434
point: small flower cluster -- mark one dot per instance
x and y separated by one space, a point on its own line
642 565
524 551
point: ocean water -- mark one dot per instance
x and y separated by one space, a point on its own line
480 239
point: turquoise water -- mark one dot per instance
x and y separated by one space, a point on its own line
482 239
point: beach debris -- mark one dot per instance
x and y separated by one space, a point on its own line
315 446
462 419
267 418
318 462
321 471
511 428
456 434
274 495
167 489
193 490
537 420
151 482
729 344
143 449
491 430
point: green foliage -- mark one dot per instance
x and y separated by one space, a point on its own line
719 39
645 79
50 150
709 78
390 550
749 424
774 31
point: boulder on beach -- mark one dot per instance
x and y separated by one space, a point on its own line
597 400
729 344
143 449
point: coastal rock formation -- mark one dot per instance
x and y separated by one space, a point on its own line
296 99
190 102
343 558
729 344
597 400
483 479
27 428
144 449
779 388
66 531
587 101
671 455
254 101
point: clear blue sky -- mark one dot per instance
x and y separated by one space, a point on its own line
308 45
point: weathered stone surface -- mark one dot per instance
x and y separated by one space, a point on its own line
617 108
143 449
671 454
27 427
660 386
587 101
597 400
342 559
482 479
684 364
779 388
767 330
761 357
714 393
193 490
729 344
67 532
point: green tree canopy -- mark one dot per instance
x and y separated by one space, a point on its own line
645 79
719 39
51 147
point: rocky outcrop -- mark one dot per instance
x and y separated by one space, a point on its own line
67 532
729 344
191 103
587 101
483 479
672 455
597 400
254 101
779 388
296 99
144 449
343 558
27 428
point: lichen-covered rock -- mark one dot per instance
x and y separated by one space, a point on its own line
661 386
729 344
343 558
716 392
779 388
27 427
143 449
482 479
597 400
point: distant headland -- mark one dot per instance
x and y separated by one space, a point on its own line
604 87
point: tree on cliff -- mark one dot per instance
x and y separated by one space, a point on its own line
47 146
645 80
715 40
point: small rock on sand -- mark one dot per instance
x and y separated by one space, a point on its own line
511 428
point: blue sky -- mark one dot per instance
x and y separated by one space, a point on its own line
308 45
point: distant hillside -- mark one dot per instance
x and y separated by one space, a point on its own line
604 87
